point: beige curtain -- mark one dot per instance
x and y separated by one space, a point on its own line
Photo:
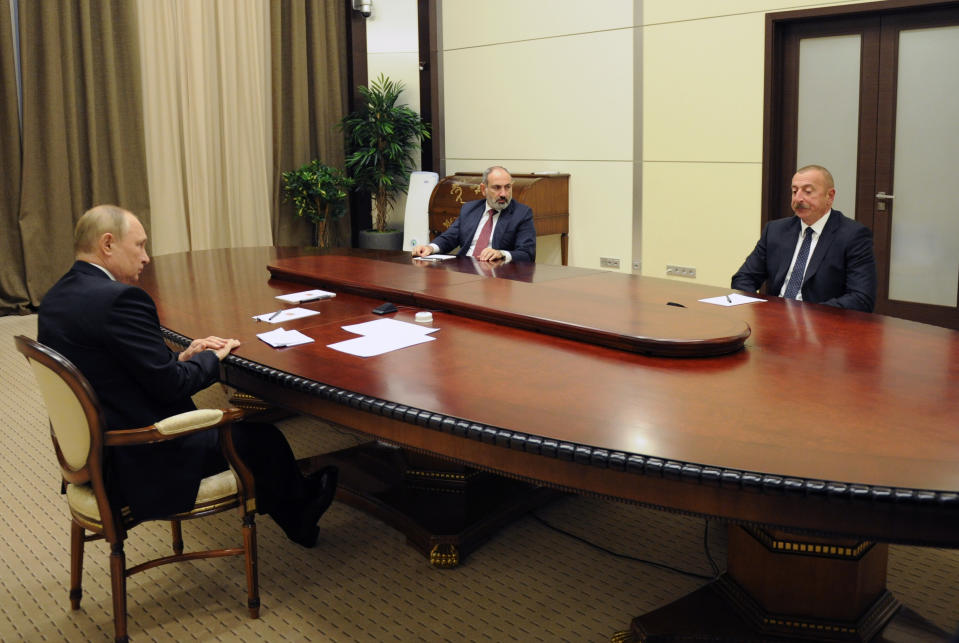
308 41
13 286
82 132
207 110
233 93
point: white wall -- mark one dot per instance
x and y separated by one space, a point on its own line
702 132
392 48
654 107
554 94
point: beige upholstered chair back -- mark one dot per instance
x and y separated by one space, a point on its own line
79 437
67 419
72 407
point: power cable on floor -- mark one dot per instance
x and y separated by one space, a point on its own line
644 561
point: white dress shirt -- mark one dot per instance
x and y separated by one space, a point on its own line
817 229
507 257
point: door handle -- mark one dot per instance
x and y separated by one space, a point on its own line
883 197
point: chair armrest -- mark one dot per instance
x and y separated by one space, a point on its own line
186 422
174 426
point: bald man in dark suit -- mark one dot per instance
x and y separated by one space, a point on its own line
97 317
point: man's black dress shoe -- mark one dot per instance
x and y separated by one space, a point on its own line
320 488
304 535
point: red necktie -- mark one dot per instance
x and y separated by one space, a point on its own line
483 241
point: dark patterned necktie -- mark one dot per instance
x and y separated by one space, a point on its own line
799 268
483 241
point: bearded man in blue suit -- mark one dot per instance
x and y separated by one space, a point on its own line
491 229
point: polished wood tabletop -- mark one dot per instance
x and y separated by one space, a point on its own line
830 421
594 307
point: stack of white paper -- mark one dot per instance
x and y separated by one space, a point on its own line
382 336
305 296
280 338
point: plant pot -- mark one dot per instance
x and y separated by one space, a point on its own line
389 240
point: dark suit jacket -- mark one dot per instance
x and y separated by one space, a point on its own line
514 231
841 271
111 332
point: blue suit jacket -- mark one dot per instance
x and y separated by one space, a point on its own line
841 271
110 331
514 231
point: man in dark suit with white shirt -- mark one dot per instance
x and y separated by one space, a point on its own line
98 318
819 255
491 229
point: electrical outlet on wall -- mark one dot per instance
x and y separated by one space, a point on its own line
681 271
608 262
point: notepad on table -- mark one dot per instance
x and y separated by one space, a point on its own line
732 299
280 338
305 296
436 257
287 314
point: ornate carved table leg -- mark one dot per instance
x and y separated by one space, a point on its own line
782 586
446 510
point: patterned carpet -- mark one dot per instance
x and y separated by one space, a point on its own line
361 582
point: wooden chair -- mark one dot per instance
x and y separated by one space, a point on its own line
79 439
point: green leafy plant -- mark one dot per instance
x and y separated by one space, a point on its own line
381 137
319 193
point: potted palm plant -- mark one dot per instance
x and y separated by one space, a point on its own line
381 138
319 193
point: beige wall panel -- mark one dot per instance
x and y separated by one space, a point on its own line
659 11
469 23
701 215
703 90
558 98
702 132
600 208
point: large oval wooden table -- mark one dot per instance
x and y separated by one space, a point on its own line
827 435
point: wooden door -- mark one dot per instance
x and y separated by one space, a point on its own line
872 95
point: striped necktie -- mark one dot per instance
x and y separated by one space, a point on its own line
799 268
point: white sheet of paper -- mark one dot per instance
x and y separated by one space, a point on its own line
306 295
732 299
370 345
280 338
382 336
389 326
287 314
436 257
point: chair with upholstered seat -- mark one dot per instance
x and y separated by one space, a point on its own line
79 439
